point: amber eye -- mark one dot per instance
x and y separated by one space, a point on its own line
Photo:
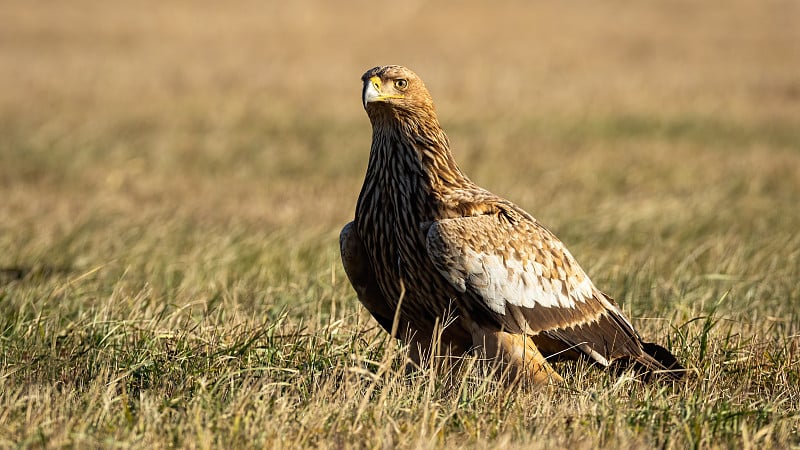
401 84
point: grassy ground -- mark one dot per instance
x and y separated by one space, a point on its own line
173 178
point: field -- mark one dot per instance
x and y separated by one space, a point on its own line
174 176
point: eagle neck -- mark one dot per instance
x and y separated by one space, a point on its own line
413 144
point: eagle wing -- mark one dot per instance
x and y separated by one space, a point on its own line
516 272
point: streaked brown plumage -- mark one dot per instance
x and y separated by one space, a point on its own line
427 237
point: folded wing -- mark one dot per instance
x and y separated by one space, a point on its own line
517 275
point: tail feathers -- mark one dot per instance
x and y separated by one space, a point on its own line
658 360
654 361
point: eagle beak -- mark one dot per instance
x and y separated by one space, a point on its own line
372 92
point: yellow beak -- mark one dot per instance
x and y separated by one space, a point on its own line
372 92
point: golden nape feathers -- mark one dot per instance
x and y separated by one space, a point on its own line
455 253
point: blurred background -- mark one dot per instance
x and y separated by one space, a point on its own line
174 176
127 126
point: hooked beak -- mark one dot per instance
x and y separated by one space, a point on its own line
372 92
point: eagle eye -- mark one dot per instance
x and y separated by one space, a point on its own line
401 84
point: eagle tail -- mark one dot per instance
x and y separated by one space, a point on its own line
657 360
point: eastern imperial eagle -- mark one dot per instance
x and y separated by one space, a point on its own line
428 244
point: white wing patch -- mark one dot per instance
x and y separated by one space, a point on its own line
501 282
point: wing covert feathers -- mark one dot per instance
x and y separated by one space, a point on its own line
524 277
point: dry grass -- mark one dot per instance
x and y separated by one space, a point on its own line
173 178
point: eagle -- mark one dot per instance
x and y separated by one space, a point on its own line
444 264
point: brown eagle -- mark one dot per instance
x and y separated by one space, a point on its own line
430 253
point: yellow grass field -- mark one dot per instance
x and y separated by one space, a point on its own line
174 175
